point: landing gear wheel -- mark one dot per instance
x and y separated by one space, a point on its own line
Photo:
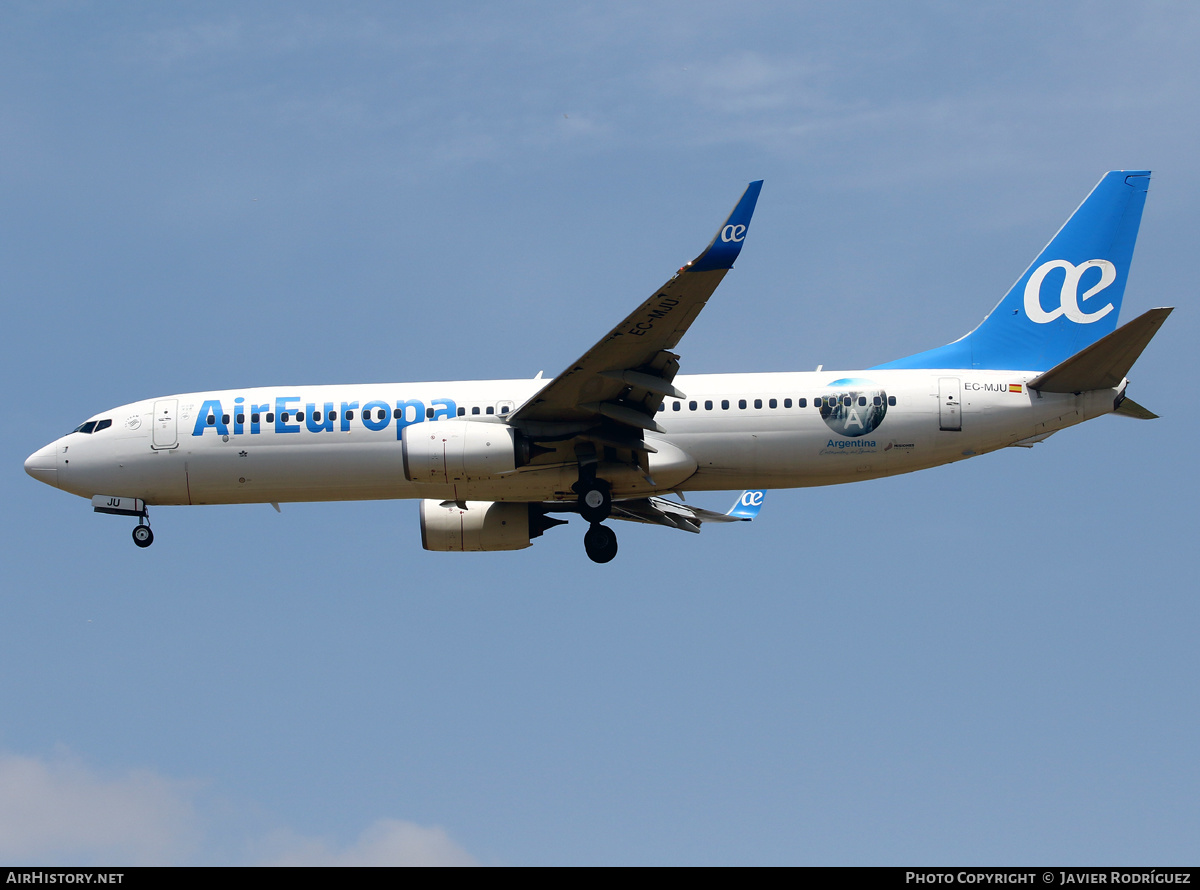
595 502
142 536
600 542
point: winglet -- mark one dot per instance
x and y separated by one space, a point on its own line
748 504
727 243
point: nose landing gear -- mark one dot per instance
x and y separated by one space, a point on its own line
142 536
119 506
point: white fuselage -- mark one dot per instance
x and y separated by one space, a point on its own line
246 446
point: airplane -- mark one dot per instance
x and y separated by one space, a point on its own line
620 430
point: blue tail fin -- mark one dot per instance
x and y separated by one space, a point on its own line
1068 298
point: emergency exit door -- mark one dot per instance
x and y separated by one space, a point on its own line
165 424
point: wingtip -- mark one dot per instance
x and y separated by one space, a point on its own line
727 243
747 505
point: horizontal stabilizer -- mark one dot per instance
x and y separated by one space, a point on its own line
1104 364
1130 408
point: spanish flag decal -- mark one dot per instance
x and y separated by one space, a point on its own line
1014 387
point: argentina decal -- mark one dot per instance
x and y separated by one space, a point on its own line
855 407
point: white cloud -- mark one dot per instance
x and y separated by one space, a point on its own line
386 842
58 810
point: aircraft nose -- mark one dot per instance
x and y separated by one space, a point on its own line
42 465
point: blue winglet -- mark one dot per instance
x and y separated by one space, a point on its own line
748 504
727 243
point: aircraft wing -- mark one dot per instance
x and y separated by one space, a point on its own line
672 514
624 377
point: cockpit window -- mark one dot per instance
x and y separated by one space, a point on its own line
93 426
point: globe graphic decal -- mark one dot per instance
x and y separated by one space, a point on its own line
853 407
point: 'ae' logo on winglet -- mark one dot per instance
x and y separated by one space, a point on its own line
1069 298
733 233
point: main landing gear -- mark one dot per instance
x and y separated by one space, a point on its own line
600 542
595 499
595 506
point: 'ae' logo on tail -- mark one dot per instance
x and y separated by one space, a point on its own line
1069 298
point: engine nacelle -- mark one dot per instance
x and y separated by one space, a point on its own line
483 525
457 450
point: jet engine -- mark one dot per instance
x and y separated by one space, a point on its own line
456 450
481 525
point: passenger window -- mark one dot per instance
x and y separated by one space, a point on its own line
349 416
503 410
662 406
774 403
462 411
241 418
892 401
429 414
212 421
299 417
284 416
270 417
491 410
862 401
475 410
398 413
225 418
876 401
254 418
332 417
787 403
708 404
758 403
675 406
724 404
846 401
742 404
802 403
692 406
380 414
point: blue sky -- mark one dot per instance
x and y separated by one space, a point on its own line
992 662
